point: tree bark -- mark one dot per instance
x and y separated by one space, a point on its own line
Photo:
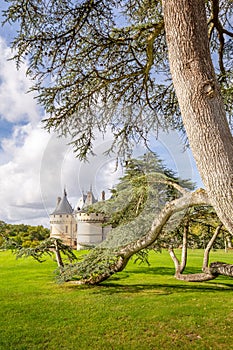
220 268
196 277
207 273
208 248
180 266
184 247
200 101
228 242
58 255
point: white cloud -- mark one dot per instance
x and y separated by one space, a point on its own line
20 176
60 168
16 104
38 168
35 166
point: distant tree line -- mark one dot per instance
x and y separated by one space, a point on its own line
26 236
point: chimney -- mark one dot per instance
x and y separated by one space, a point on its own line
103 195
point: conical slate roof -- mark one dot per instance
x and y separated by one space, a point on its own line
90 199
63 207
85 200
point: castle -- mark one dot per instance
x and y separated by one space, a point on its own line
76 227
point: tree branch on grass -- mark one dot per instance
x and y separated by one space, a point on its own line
209 272
47 247
101 263
118 259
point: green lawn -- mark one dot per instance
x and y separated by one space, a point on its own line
140 308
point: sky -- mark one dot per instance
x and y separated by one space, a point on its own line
36 166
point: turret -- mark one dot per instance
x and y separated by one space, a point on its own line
62 222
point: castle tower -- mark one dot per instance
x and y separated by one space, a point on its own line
62 222
78 228
90 229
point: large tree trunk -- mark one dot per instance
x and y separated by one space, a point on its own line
200 101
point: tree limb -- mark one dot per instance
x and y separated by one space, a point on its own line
179 267
208 247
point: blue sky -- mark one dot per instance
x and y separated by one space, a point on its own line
35 166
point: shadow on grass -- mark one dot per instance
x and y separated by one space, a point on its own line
164 289
157 271
124 282
161 289
148 270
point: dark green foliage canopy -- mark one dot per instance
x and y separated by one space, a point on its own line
140 194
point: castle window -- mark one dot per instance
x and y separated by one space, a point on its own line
97 214
67 216
66 229
60 216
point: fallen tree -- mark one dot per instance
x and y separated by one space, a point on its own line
207 274
101 263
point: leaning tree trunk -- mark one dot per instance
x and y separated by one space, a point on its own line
122 256
58 255
199 197
200 101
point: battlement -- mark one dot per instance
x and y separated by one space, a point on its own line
89 217
62 216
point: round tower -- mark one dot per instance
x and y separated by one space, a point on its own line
90 229
62 222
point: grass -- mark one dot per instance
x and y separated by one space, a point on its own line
140 308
